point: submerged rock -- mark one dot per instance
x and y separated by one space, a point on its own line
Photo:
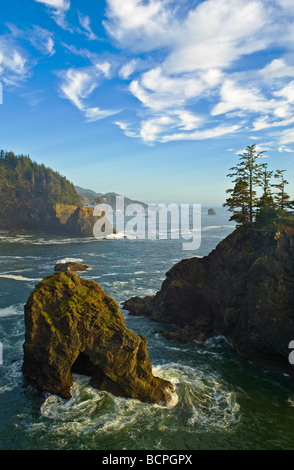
243 290
72 326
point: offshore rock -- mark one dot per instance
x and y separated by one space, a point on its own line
211 212
70 266
72 326
243 290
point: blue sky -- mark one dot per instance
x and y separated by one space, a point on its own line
153 99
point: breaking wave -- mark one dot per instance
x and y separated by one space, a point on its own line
20 278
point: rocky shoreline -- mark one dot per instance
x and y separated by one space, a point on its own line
243 290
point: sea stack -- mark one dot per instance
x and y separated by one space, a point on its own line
211 212
73 326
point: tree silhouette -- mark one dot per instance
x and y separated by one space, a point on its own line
247 176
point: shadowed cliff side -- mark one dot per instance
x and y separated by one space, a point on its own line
73 326
243 290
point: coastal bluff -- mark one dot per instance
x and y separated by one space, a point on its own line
73 326
35 198
243 290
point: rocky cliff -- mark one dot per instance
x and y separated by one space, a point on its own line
73 326
243 290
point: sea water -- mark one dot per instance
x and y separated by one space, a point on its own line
221 401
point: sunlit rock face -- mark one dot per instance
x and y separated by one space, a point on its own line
73 326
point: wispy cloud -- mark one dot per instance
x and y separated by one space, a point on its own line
185 67
14 63
195 51
58 10
85 23
78 84
42 39
203 134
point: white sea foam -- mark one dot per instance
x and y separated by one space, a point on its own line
12 310
211 402
214 227
119 236
20 278
70 260
211 227
109 274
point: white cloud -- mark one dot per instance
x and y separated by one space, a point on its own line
283 148
125 127
14 64
152 128
287 92
139 25
158 91
85 22
42 39
59 9
58 4
245 101
78 85
265 122
186 66
103 67
236 97
198 46
213 34
278 68
128 69
203 134
218 32
286 4
287 137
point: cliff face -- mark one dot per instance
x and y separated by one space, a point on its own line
73 326
61 219
243 290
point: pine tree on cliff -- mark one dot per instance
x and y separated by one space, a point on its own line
267 212
247 176
281 197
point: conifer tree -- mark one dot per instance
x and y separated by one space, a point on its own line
248 175
281 197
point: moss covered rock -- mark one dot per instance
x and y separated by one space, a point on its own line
73 326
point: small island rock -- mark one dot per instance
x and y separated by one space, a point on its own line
70 266
211 212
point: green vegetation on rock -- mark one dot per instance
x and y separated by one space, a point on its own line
72 325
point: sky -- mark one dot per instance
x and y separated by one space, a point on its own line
152 99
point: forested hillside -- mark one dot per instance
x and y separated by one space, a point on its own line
36 198
21 179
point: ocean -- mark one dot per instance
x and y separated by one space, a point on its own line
221 401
